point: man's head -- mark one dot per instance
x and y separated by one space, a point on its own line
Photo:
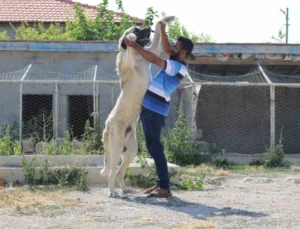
182 50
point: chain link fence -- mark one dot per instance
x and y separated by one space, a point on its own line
241 111
245 112
41 105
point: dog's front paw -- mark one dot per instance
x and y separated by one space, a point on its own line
131 37
167 19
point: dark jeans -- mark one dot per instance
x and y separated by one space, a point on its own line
152 123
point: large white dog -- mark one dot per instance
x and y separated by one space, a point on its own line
119 135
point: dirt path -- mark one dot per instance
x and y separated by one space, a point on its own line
257 202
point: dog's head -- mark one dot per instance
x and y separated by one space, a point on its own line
142 34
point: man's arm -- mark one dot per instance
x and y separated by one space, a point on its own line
148 56
164 39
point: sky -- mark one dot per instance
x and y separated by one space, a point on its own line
230 21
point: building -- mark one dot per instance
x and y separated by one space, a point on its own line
242 96
46 11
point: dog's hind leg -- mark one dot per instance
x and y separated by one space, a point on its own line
107 161
127 158
116 146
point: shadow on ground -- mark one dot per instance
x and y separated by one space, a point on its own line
193 209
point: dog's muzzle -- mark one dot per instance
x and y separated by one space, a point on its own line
143 42
143 36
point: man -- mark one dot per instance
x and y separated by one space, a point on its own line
155 106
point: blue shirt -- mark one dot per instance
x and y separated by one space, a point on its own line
158 95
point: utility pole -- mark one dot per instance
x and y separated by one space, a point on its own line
286 13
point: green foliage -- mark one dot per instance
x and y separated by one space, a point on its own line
4 36
16 148
5 143
81 28
53 147
149 179
38 32
103 27
142 149
9 146
92 137
221 160
150 15
40 127
274 157
193 184
66 148
178 144
91 142
280 38
29 171
67 176
144 180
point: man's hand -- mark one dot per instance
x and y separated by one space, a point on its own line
130 43
148 56
164 38
162 26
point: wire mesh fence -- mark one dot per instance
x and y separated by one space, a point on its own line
240 112
235 118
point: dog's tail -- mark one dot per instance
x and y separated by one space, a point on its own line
107 161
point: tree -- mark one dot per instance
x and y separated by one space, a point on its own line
280 37
4 36
102 28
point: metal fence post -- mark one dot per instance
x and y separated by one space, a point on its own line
272 106
20 113
56 111
272 118
95 95
21 104
97 98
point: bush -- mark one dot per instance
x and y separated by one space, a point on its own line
82 27
4 36
179 145
274 157
102 28
8 146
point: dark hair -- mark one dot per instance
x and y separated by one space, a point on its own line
187 45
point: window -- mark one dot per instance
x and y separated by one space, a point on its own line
79 111
37 116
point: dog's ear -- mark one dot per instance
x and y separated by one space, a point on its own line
123 45
121 41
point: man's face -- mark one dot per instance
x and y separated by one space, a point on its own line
175 51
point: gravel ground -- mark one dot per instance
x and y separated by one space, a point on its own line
269 201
